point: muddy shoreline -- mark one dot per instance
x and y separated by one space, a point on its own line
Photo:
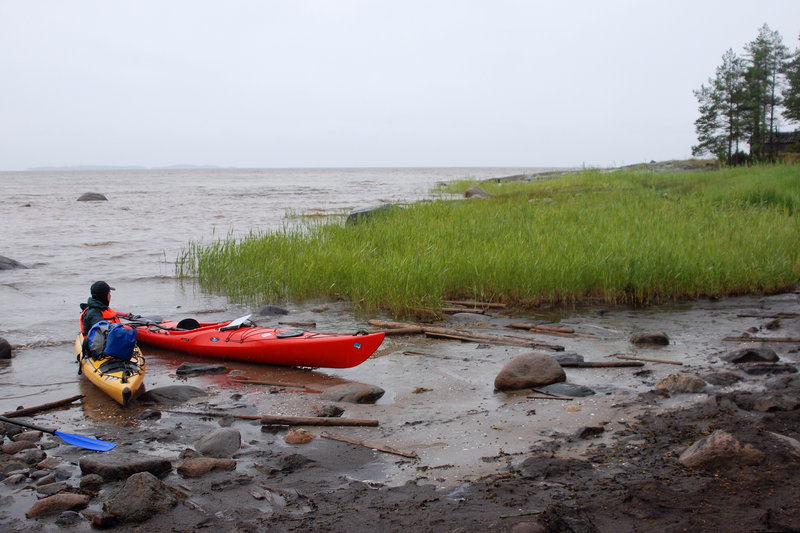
607 461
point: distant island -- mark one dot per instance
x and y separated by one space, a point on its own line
84 168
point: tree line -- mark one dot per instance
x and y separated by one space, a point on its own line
742 105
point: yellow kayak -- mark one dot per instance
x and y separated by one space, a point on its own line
118 378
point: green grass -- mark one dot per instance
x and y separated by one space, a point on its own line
625 237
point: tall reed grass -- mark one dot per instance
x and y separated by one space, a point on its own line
632 237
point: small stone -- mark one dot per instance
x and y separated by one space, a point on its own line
328 410
589 431
57 503
658 338
53 488
12 448
68 519
100 519
49 463
30 436
680 383
149 414
572 408
15 479
198 466
91 482
47 479
299 436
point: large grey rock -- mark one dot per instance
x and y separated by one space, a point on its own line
353 393
5 349
119 465
767 369
200 369
751 355
143 496
365 213
6 263
172 394
569 389
475 191
220 443
271 310
680 383
720 450
92 197
529 370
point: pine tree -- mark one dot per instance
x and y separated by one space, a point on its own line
720 126
791 95
766 57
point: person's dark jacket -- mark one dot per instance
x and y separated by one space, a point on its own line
93 314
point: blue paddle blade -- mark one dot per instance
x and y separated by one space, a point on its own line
84 442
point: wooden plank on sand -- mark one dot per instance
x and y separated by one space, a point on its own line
372 445
280 420
44 407
647 359
598 364
762 339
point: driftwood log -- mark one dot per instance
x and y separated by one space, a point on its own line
44 407
775 315
470 303
372 445
280 420
274 384
537 327
299 324
762 339
598 364
547 397
453 334
435 355
453 310
647 359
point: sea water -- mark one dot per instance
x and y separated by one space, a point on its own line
133 239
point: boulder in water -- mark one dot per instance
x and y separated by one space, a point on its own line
92 197
6 263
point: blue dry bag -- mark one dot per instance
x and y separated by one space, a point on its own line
111 338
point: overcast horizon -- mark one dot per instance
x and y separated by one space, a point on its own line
357 83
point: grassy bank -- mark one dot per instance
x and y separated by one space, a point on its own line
631 236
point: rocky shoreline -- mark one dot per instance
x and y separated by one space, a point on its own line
712 445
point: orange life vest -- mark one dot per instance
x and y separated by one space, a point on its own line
108 314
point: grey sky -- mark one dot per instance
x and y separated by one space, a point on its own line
337 83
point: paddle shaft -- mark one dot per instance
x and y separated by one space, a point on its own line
26 425
87 443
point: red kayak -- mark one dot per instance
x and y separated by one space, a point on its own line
241 340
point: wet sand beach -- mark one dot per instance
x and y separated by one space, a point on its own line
607 461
